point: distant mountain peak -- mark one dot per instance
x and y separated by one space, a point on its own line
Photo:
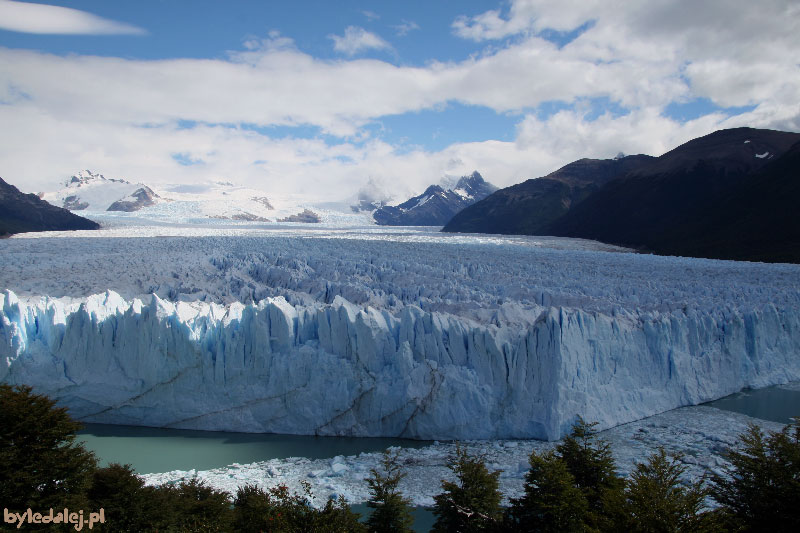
473 180
437 205
86 176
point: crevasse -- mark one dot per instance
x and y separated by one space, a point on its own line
341 369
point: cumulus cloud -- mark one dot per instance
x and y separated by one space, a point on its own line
356 40
719 46
46 19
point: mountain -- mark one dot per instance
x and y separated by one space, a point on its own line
436 206
27 212
529 207
732 194
89 191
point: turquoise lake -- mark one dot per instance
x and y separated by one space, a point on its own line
159 450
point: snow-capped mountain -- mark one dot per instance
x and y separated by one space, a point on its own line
117 200
437 205
90 191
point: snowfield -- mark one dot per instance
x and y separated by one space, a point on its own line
376 332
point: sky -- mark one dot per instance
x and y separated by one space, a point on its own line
330 100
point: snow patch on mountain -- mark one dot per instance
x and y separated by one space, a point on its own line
89 191
437 205
95 195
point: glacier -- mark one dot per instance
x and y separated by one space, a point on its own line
385 334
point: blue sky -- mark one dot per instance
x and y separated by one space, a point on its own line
320 98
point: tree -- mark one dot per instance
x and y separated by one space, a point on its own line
655 499
253 509
473 502
336 517
41 465
391 510
127 503
591 463
201 508
760 491
279 511
552 502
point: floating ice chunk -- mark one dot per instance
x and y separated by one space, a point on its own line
762 156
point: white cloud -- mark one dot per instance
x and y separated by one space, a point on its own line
46 19
719 46
313 168
122 117
405 27
356 40
371 15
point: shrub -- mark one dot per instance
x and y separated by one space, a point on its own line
391 510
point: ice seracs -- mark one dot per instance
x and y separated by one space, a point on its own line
426 340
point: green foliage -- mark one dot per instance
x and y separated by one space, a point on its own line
336 517
280 511
41 465
590 461
255 510
202 508
473 502
391 510
761 489
128 504
552 501
656 501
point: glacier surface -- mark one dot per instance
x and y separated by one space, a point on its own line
385 333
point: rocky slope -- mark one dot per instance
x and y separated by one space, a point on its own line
530 207
27 212
731 194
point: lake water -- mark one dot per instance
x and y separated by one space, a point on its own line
160 450
778 404
150 450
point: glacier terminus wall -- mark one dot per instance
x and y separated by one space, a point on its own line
451 346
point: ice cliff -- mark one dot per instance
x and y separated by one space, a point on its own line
336 368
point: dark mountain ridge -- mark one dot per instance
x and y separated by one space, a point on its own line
21 213
677 204
531 206
732 194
